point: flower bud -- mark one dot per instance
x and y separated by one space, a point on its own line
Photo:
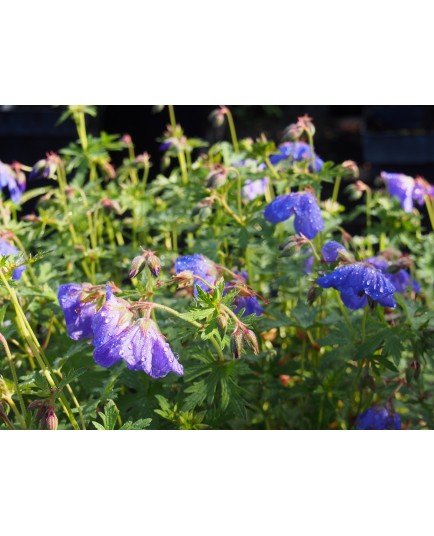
50 420
312 294
237 341
222 322
217 178
157 108
184 278
137 266
154 264
251 340
352 168
293 132
305 123
217 117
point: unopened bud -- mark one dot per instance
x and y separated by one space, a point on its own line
284 379
137 266
352 168
222 321
217 117
184 278
237 342
305 123
217 178
157 108
293 132
50 420
251 340
154 264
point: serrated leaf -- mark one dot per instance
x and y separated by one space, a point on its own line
141 424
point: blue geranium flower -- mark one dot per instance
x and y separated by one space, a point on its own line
330 251
400 279
407 189
10 180
78 309
8 249
378 418
119 335
298 151
357 282
199 265
308 220
248 302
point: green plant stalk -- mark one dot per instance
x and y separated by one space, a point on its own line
336 187
29 268
80 122
345 315
33 342
76 402
312 153
175 313
228 209
368 207
218 349
181 156
232 130
23 419
430 208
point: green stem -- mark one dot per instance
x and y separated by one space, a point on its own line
312 152
175 313
345 315
172 117
336 189
232 130
217 347
430 209
368 207
16 384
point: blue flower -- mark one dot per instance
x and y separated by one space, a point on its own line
8 249
253 189
244 300
10 180
308 220
199 265
357 282
298 151
330 251
407 189
79 309
118 335
400 279
378 418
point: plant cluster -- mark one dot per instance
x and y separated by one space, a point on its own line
235 288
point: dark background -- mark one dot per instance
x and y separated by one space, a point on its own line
393 138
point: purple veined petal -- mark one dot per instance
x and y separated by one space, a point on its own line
358 280
296 152
8 179
250 304
308 219
78 314
378 418
143 347
353 301
280 209
401 279
330 251
111 320
402 187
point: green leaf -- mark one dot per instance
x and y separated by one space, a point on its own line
141 424
109 417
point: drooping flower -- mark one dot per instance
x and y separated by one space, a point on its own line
119 335
407 189
79 304
45 168
8 249
14 182
308 220
199 265
399 277
357 282
298 151
378 418
330 251
245 299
